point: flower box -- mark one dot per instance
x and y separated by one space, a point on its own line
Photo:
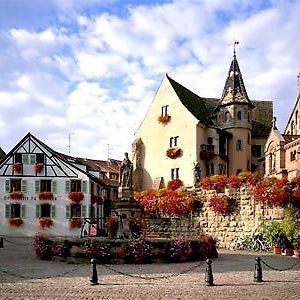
17 168
15 222
46 196
38 167
173 153
16 195
75 223
45 222
76 196
164 119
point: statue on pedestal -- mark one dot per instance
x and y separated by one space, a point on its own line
126 172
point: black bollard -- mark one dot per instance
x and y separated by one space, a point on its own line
1 242
94 275
209 278
258 270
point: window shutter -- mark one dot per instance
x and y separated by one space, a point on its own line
68 187
83 211
24 186
53 212
37 186
68 212
7 210
54 187
25 159
37 211
23 211
84 186
7 186
32 159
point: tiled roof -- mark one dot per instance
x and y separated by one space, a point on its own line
195 104
204 108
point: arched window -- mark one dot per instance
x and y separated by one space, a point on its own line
239 115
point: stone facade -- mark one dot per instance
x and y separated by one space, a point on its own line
246 219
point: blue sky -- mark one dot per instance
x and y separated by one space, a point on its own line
90 69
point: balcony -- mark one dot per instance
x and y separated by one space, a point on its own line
207 152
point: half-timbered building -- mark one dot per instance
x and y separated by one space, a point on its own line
42 190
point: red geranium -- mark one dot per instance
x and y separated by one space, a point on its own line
173 152
76 196
174 184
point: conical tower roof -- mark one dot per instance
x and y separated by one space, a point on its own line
234 90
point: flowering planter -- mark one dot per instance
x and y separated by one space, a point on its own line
289 252
75 223
16 195
17 167
46 196
164 119
38 167
173 153
15 222
76 196
277 249
45 222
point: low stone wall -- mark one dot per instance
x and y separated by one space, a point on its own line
247 218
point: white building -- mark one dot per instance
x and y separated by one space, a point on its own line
42 190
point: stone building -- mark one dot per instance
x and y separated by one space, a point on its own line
183 132
282 150
42 190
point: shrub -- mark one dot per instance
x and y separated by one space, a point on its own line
174 184
180 248
96 249
42 246
221 204
139 251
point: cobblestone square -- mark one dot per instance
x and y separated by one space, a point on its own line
23 276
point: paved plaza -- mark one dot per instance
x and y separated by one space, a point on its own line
23 276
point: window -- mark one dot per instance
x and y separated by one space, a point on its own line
238 171
248 138
211 168
28 159
164 110
173 141
45 211
18 158
15 210
292 128
209 141
248 116
174 173
15 185
227 116
75 210
45 186
222 169
293 155
238 145
75 185
256 150
40 158
239 115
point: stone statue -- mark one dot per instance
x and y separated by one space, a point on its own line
196 171
126 172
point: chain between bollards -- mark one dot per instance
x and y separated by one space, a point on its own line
94 275
209 278
258 270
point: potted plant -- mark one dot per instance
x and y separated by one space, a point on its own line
38 167
273 233
16 195
46 196
76 196
15 222
75 223
45 222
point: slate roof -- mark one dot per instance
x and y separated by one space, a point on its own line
204 109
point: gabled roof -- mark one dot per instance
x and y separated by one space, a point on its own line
234 90
200 107
56 156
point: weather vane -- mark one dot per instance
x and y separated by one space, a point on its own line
234 45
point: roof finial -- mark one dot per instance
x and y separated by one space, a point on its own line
234 44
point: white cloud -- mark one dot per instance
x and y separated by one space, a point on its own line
94 72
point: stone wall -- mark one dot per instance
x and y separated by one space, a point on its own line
247 218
